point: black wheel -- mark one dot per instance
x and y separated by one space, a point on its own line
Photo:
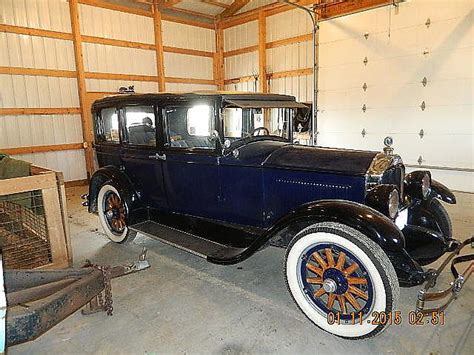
338 277
113 215
442 218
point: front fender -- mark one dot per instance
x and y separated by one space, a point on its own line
363 218
112 175
441 192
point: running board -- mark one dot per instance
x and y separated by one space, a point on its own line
186 241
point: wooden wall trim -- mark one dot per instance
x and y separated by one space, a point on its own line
290 73
41 149
242 50
160 59
187 51
87 132
291 40
189 81
40 111
219 68
35 32
262 54
113 76
242 79
117 42
38 72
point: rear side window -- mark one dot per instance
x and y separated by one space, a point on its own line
140 125
108 126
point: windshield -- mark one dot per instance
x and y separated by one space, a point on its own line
252 122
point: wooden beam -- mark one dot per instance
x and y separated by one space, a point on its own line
241 51
35 32
160 60
184 21
234 7
192 13
189 81
114 76
187 51
292 40
39 111
290 73
117 42
38 72
262 54
242 79
116 7
87 132
41 149
350 7
216 3
166 4
75 183
219 68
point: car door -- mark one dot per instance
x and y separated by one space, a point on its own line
191 167
141 159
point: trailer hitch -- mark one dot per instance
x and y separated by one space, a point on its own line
456 285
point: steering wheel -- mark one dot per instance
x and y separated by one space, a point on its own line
258 129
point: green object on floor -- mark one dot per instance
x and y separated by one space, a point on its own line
12 168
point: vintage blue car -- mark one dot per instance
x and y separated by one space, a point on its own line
218 175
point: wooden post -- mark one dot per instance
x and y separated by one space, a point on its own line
219 58
160 62
87 133
262 54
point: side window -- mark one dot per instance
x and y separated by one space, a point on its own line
108 126
190 126
140 125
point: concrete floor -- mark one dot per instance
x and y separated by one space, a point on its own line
183 304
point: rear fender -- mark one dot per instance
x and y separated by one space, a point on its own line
441 192
116 178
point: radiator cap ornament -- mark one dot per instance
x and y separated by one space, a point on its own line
388 141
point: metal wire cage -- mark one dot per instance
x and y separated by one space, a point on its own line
23 231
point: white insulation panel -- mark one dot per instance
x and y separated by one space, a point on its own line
37 91
288 24
241 36
297 86
31 130
189 37
36 52
112 59
99 85
177 87
44 14
241 65
246 86
188 66
105 23
290 57
71 162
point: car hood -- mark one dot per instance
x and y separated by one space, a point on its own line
344 161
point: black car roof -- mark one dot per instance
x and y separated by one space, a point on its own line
223 95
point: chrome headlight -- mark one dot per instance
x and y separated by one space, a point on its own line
425 186
393 204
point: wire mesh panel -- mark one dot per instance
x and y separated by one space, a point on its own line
23 231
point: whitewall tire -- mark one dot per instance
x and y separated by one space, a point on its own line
112 212
340 279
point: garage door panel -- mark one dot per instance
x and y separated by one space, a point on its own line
447 120
449 92
342 77
389 96
448 34
399 70
341 99
456 64
439 10
343 52
340 121
393 44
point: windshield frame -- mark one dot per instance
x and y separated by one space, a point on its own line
245 140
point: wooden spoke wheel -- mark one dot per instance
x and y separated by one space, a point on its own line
336 281
112 211
334 270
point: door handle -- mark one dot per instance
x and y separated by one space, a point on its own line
158 156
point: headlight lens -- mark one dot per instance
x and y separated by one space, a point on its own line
393 204
425 186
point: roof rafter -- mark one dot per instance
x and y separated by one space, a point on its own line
233 8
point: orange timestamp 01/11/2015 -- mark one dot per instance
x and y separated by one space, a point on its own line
387 318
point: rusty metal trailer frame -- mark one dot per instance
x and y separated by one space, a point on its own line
39 299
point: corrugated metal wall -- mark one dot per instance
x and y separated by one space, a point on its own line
184 65
28 91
